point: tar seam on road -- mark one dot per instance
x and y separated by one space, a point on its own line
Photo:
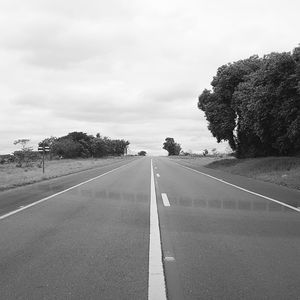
156 283
56 194
242 189
165 199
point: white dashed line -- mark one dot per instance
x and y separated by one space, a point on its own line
169 258
157 175
165 199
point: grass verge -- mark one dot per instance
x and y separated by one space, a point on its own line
195 161
280 170
11 176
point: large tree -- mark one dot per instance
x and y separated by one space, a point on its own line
217 105
142 153
269 106
171 146
255 105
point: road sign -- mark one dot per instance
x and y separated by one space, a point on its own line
44 149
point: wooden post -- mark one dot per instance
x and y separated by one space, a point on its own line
43 159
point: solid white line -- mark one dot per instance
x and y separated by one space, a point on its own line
165 199
156 283
56 194
242 189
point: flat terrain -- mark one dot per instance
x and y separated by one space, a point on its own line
280 170
90 236
11 176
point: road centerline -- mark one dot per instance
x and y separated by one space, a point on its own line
156 283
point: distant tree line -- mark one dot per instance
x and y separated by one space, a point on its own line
255 105
79 144
73 145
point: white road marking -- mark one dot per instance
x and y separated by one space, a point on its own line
165 199
56 194
156 283
242 189
157 175
169 258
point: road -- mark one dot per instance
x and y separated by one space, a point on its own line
150 229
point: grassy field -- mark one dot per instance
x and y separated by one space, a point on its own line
11 176
196 160
280 170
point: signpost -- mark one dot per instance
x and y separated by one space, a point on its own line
43 149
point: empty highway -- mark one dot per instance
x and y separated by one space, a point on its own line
150 229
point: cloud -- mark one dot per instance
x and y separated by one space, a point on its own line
170 94
57 42
131 69
102 107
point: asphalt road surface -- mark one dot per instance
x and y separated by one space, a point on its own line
150 229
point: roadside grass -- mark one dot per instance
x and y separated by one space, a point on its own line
196 160
11 176
280 170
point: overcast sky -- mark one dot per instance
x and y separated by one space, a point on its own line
127 69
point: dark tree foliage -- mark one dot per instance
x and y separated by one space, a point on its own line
49 142
67 148
142 153
255 105
171 146
79 144
99 147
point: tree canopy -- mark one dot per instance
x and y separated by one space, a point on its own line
255 105
142 153
25 154
171 146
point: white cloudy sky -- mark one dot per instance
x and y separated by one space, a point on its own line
128 69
